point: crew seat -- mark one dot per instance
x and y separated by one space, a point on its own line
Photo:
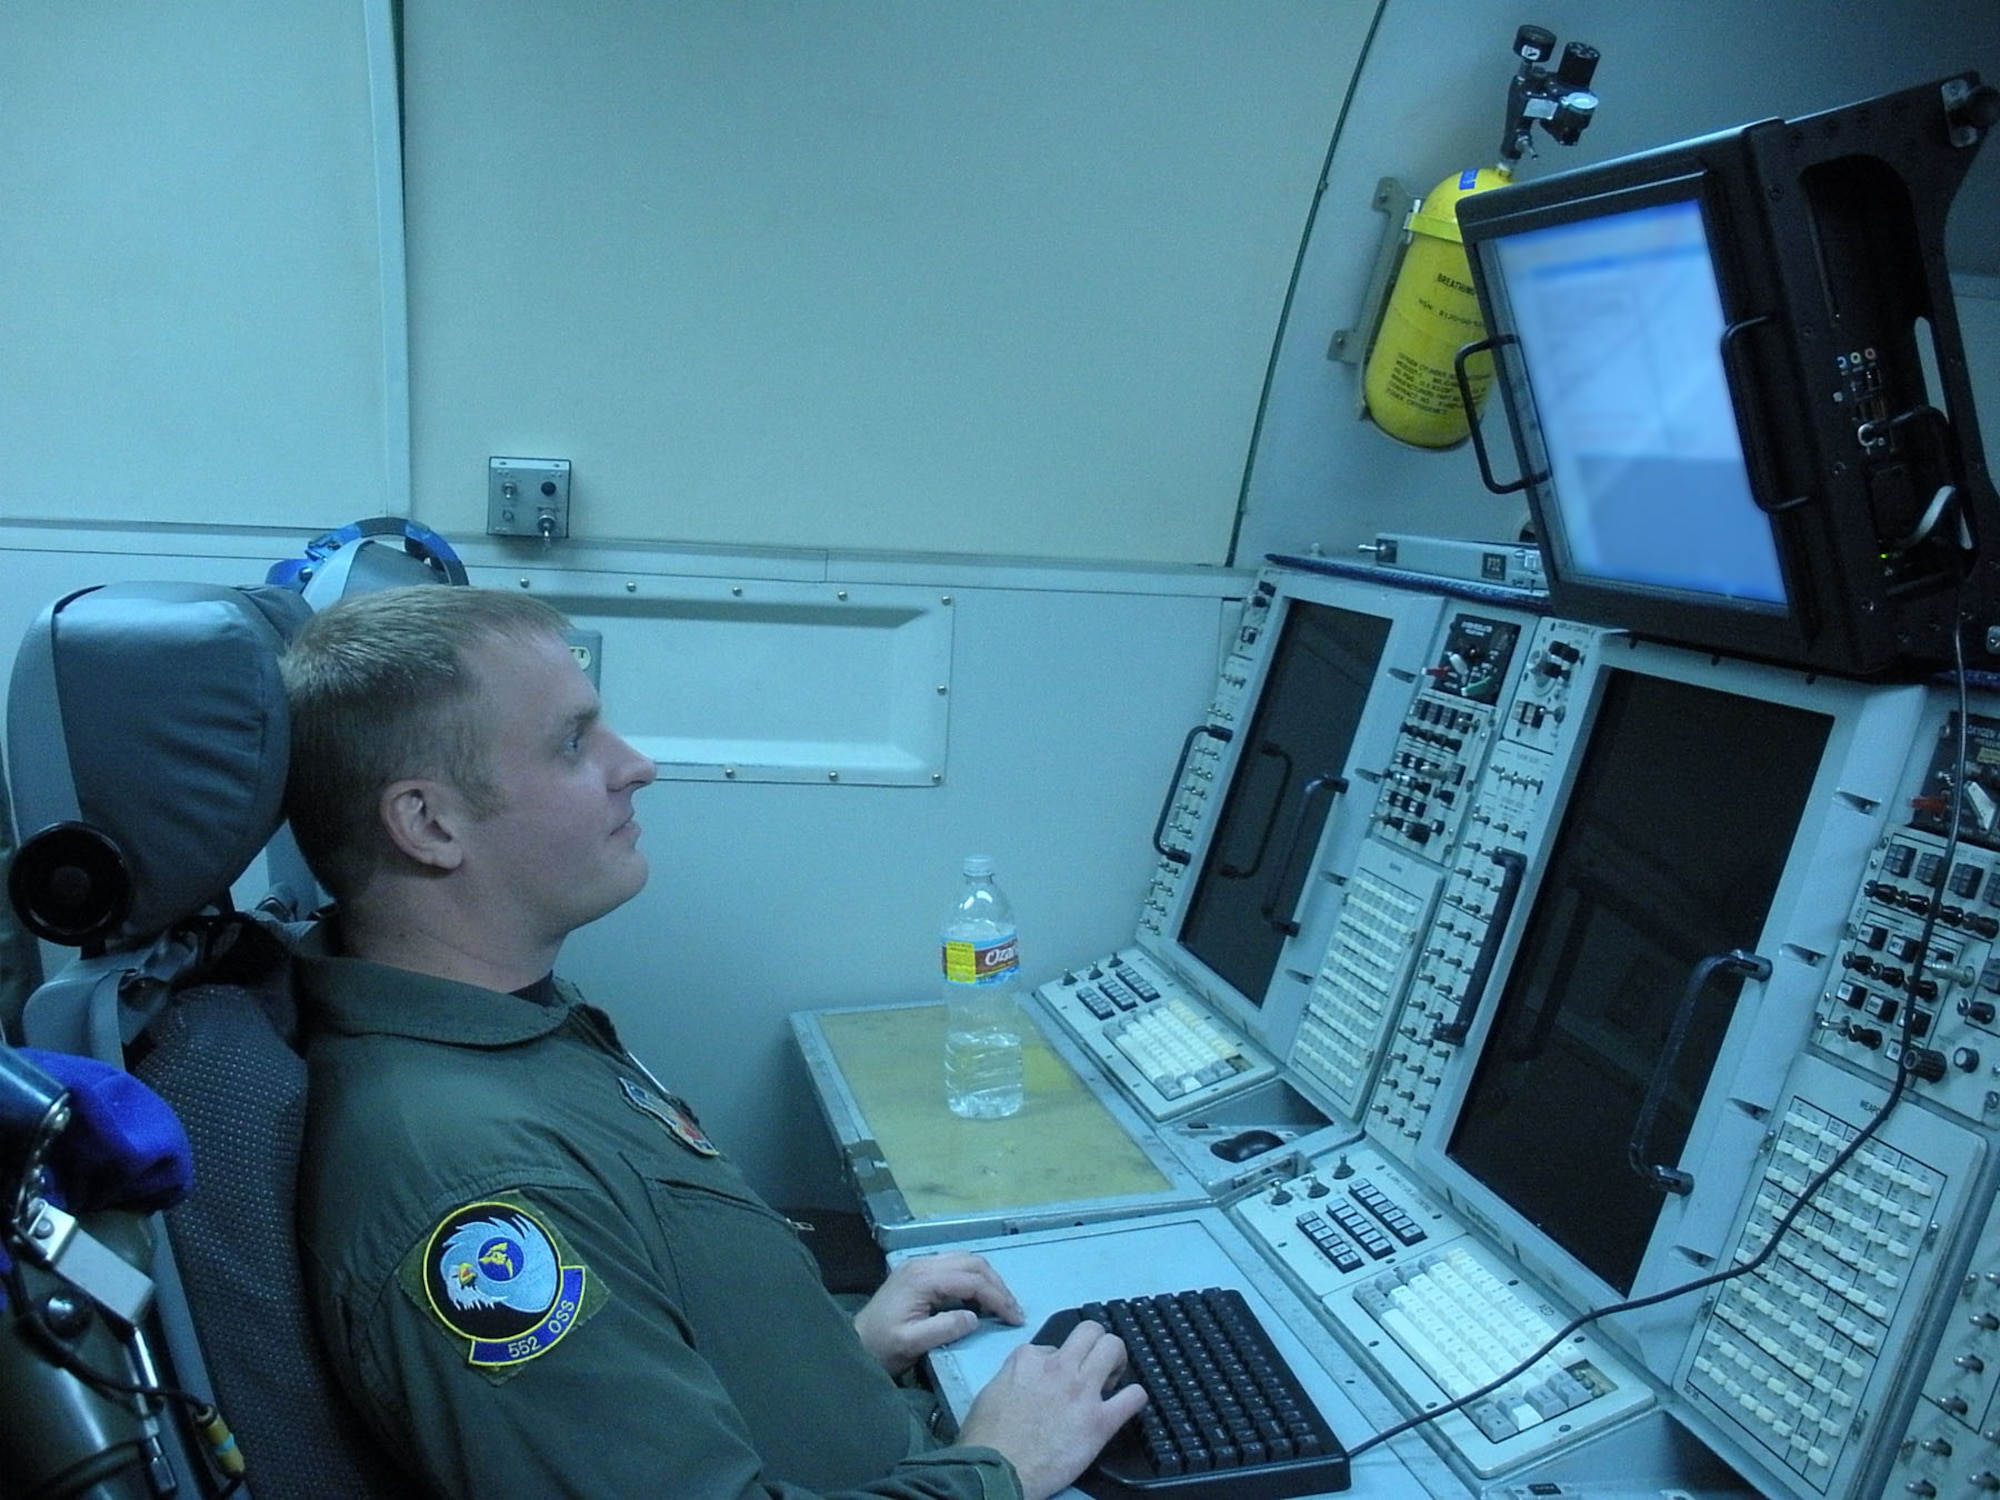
147 740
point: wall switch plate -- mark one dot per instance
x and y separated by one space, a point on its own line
527 497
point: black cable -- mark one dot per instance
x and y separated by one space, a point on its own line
1897 1088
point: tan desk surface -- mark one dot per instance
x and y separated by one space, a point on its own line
1062 1146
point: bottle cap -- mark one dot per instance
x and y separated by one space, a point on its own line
979 864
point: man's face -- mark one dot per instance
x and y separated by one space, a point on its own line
563 849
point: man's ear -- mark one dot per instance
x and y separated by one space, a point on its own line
419 818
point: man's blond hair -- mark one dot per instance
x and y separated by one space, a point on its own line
381 689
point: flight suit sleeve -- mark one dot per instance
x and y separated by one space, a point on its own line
531 1344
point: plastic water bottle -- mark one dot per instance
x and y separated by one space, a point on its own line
982 1040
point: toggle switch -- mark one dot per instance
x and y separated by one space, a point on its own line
527 497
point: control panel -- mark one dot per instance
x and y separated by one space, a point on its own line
1429 899
1144 1029
1195 798
1800 1355
1846 1347
1951 1445
1436 1315
1915 985
1443 739
1390 898
1265 809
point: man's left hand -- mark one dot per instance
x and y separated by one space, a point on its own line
930 1300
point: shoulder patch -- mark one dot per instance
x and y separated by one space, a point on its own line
498 1278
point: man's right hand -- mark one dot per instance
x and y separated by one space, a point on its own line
1046 1410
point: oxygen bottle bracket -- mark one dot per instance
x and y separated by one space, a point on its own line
1419 308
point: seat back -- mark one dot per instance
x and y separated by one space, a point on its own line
221 1054
148 740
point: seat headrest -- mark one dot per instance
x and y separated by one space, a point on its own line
147 738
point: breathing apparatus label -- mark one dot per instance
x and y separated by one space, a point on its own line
986 962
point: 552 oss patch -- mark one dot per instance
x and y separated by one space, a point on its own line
497 1277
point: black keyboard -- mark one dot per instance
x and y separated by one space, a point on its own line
1227 1417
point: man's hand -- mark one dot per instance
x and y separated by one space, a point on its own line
923 1304
1046 1410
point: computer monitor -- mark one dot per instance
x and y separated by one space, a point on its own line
1284 804
1647 472
1738 389
1712 808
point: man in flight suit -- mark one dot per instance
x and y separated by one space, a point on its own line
533 1271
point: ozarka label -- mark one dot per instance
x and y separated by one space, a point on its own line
981 961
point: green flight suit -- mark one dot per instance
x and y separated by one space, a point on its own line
538 1279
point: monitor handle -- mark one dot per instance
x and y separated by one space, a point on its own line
1213 731
1332 786
1672 1179
1764 486
1471 404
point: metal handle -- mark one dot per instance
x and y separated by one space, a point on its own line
1332 785
1672 1179
1472 411
1513 866
1213 731
1756 451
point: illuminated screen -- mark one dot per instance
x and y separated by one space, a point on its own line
1286 779
1670 850
1620 328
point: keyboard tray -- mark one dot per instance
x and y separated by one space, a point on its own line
1227 1417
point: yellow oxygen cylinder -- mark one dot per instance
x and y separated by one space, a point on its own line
1409 384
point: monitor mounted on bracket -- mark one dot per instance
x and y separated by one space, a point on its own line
1738 389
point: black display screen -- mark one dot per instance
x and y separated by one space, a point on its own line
1670 850
1287 777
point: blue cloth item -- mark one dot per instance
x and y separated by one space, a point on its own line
123 1148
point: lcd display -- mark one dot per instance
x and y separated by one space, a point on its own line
1670 850
1287 777
1620 326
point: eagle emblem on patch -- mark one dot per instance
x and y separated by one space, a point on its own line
672 1113
494 1275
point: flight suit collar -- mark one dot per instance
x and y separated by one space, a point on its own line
359 998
